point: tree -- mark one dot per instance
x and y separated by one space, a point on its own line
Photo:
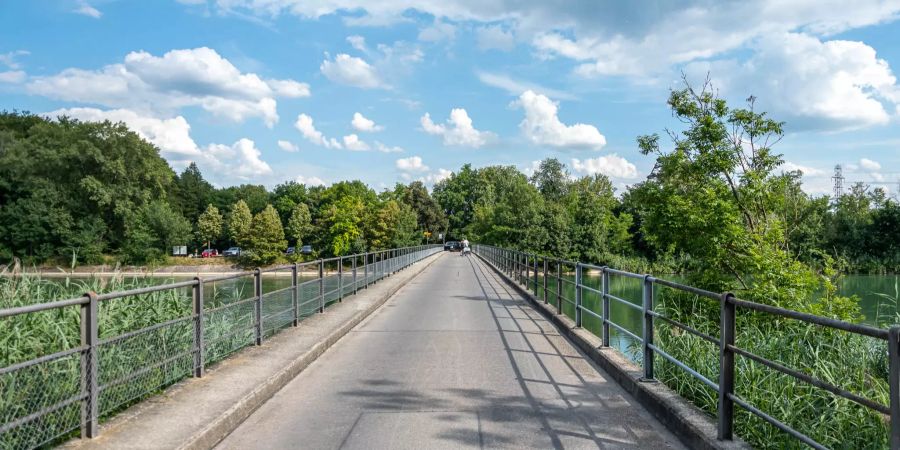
552 179
239 223
209 225
190 193
429 215
152 232
299 224
266 241
394 226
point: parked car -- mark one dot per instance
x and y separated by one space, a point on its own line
452 246
306 249
289 251
209 253
233 251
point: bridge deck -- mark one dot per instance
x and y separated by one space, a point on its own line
455 359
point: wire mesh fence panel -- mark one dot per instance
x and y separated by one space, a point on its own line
277 311
228 329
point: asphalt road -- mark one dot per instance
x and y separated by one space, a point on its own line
454 360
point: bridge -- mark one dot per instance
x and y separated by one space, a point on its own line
404 348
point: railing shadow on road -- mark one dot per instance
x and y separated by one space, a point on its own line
577 412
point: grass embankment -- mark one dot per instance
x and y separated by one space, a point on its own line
130 368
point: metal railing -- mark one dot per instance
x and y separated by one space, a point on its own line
526 267
47 397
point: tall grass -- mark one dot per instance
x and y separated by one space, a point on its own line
130 368
852 362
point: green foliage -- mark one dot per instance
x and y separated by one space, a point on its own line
394 226
300 224
266 241
209 224
239 223
152 232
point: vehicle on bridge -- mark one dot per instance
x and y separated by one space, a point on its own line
452 246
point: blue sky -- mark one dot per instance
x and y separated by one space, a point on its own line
265 91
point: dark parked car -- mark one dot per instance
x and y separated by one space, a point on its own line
289 251
233 251
452 246
306 249
209 253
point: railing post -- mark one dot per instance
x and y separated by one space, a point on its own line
559 276
257 284
545 280
321 285
295 296
199 363
355 283
523 276
90 406
366 268
894 383
726 368
604 294
647 295
340 279
578 293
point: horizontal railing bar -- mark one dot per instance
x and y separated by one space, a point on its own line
597 291
278 291
625 302
48 358
146 369
777 423
18 310
227 277
314 299
314 280
229 305
713 385
114 339
813 381
809 318
691 289
231 333
684 327
36 415
587 310
616 326
624 273
275 314
146 290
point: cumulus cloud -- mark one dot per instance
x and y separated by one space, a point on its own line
351 71
310 181
411 164
806 170
352 142
361 123
9 59
161 85
85 9
12 76
612 166
306 127
387 149
358 42
458 130
437 32
868 164
810 83
495 37
543 127
437 176
242 160
288 146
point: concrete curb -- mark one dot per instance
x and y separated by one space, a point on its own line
223 425
691 425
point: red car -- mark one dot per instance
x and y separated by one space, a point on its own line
209 253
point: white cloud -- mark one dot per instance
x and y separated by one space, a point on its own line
361 123
387 149
612 166
437 32
458 130
87 10
807 170
543 127
310 181
241 160
9 59
161 85
868 164
436 177
811 84
12 76
517 87
495 37
352 71
288 146
305 124
352 142
358 42
411 164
